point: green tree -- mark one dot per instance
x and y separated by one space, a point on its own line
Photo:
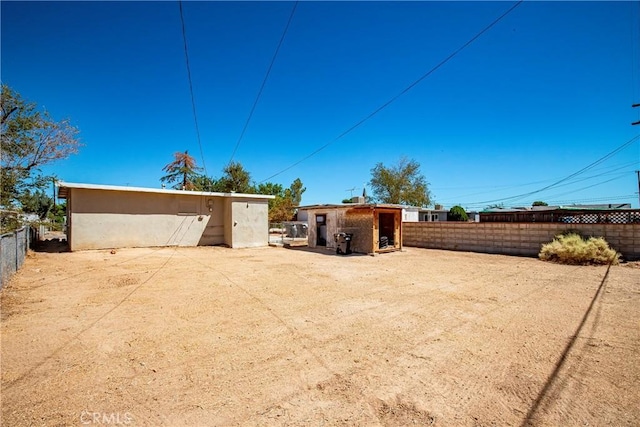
181 172
539 203
58 213
36 202
270 188
235 178
457 213
400 184
297 189
346 200
204 183
29 140
273 190
283 207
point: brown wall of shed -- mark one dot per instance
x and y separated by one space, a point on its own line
360 224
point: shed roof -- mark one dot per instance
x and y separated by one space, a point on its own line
64 187
352 206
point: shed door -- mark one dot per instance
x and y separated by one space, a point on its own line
387 229
321 230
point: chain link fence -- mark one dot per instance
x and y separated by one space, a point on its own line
13 249
290 233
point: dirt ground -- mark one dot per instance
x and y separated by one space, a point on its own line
218 337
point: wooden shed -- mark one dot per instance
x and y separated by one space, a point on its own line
372 225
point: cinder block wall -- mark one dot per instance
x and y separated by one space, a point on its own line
514 239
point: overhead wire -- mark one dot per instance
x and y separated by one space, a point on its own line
610 168
552 202
193 100
586 178
587 187
579 172
405 90
597 199
608 171
635 55
264 81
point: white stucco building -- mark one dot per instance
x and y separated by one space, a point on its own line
105 216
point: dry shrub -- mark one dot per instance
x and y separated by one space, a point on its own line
572 248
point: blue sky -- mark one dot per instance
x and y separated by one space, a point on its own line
544 93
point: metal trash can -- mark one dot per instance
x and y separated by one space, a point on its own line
344 243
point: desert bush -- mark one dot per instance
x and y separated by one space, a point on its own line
571 248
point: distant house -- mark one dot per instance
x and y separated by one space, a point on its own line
106 216
431 215
410 214
376 228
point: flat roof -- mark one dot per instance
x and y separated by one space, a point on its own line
64 187
352 206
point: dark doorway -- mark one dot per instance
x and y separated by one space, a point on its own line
321 230
387 229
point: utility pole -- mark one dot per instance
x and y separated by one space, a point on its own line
638 173
53 180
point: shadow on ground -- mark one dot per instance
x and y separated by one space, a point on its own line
321 251
51 246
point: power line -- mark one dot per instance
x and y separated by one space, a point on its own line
405 90
572 201
193 100
615 172
587 187
635 48
597 199
526 184
264 81
609 171
584 169
635 63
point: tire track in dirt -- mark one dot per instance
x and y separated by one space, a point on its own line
482 385
337 385
91 270
486 373
553 387
479 385
358 313
94 269
20 378
520 384
201 352
292 330
442 298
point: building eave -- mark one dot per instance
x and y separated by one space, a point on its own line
351 206
64 187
